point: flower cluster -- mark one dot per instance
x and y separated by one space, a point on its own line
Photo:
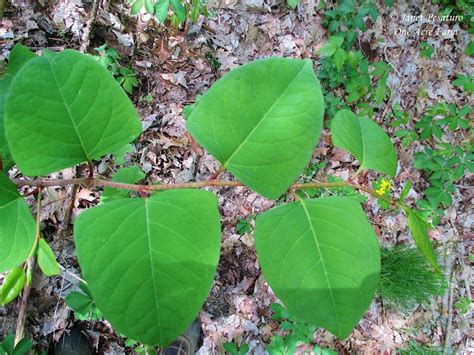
384 187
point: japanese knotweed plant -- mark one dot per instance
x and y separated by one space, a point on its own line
149 262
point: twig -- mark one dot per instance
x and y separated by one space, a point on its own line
449 298
57 302
449 306
357 173
67 216
90 23
30 268
217 173
65 271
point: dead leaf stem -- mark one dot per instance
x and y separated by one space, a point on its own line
30 268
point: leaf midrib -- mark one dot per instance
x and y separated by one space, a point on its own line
364 147
67 108
228 160
151 265
323 264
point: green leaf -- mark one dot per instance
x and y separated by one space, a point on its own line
23 347
469 49
179 10
83 306
336 40
231 348
149 7
332 47
364 139
129 175
17 226
46 259
79 301
18 57
328 49
195 10
120 153
136 7
161 10
405 190
63 109
262 121
427 50
292 3
150 263
419 227
322 259
460 80
12 285
8 343
340 57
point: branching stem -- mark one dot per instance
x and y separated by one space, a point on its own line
192 185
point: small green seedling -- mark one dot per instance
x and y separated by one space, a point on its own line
465 82
352 71
83 304
401 120
292 4
181 10
463 305
139 348
347 17
245 226
444 167
426 50
110 58
294 333
233 349
442 115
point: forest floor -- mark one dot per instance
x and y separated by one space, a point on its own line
173 67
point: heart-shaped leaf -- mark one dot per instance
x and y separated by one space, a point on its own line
64 109
18 57
150 263
17 226
364 139
322 259
262 121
